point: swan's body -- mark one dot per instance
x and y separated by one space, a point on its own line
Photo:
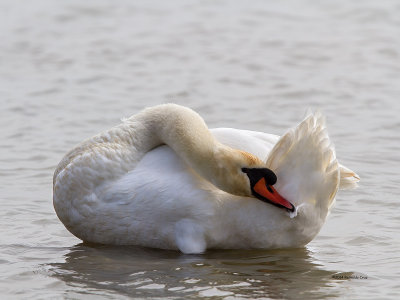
125 187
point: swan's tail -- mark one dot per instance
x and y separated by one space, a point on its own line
348 178
305 163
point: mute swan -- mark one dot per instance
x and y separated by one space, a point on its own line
162 179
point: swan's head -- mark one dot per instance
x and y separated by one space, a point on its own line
261 183
246 175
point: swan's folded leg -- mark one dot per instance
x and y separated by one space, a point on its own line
189 237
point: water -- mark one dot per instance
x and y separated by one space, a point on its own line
69 69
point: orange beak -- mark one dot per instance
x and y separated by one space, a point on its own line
268 193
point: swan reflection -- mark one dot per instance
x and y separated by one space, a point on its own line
143 272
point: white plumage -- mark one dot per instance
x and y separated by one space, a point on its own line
125 187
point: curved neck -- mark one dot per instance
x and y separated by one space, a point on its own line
185 132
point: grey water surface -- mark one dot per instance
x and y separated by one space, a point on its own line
70 69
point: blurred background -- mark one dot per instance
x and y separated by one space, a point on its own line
70 69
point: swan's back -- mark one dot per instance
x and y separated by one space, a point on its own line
256 143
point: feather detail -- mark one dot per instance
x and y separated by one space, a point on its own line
305 163
348 178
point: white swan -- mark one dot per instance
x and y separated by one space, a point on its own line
203 188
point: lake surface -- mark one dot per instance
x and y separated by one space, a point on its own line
70 69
